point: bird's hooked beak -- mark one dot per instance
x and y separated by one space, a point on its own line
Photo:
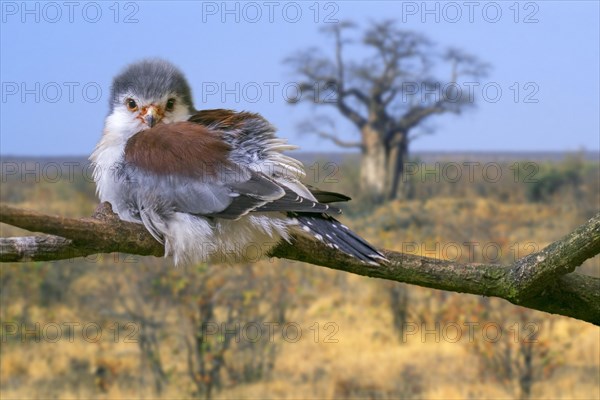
152 115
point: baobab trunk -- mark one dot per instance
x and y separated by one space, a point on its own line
373 165
382 165
397 157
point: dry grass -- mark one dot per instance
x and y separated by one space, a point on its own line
364 358
367 360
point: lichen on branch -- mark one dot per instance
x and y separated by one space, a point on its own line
542 281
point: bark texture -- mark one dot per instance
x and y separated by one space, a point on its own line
542 281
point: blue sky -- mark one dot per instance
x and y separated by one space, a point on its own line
58 60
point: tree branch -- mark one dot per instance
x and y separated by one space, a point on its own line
339 142
314 126
414 116
362 97
350 113
103 233
538 281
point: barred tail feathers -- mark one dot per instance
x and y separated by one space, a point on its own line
336 235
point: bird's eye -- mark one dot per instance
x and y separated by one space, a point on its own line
131 104
170 104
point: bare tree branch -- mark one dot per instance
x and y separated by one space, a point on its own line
324 73
85 234
357 94
37 248
541 281
351 114
315 126
557 259
464 64
339 142
417 114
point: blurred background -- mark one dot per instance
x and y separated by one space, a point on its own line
466 131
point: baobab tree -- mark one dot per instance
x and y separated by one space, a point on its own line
386 95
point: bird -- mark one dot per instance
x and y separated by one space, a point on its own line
211 185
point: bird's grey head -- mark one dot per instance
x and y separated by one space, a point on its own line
146 93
